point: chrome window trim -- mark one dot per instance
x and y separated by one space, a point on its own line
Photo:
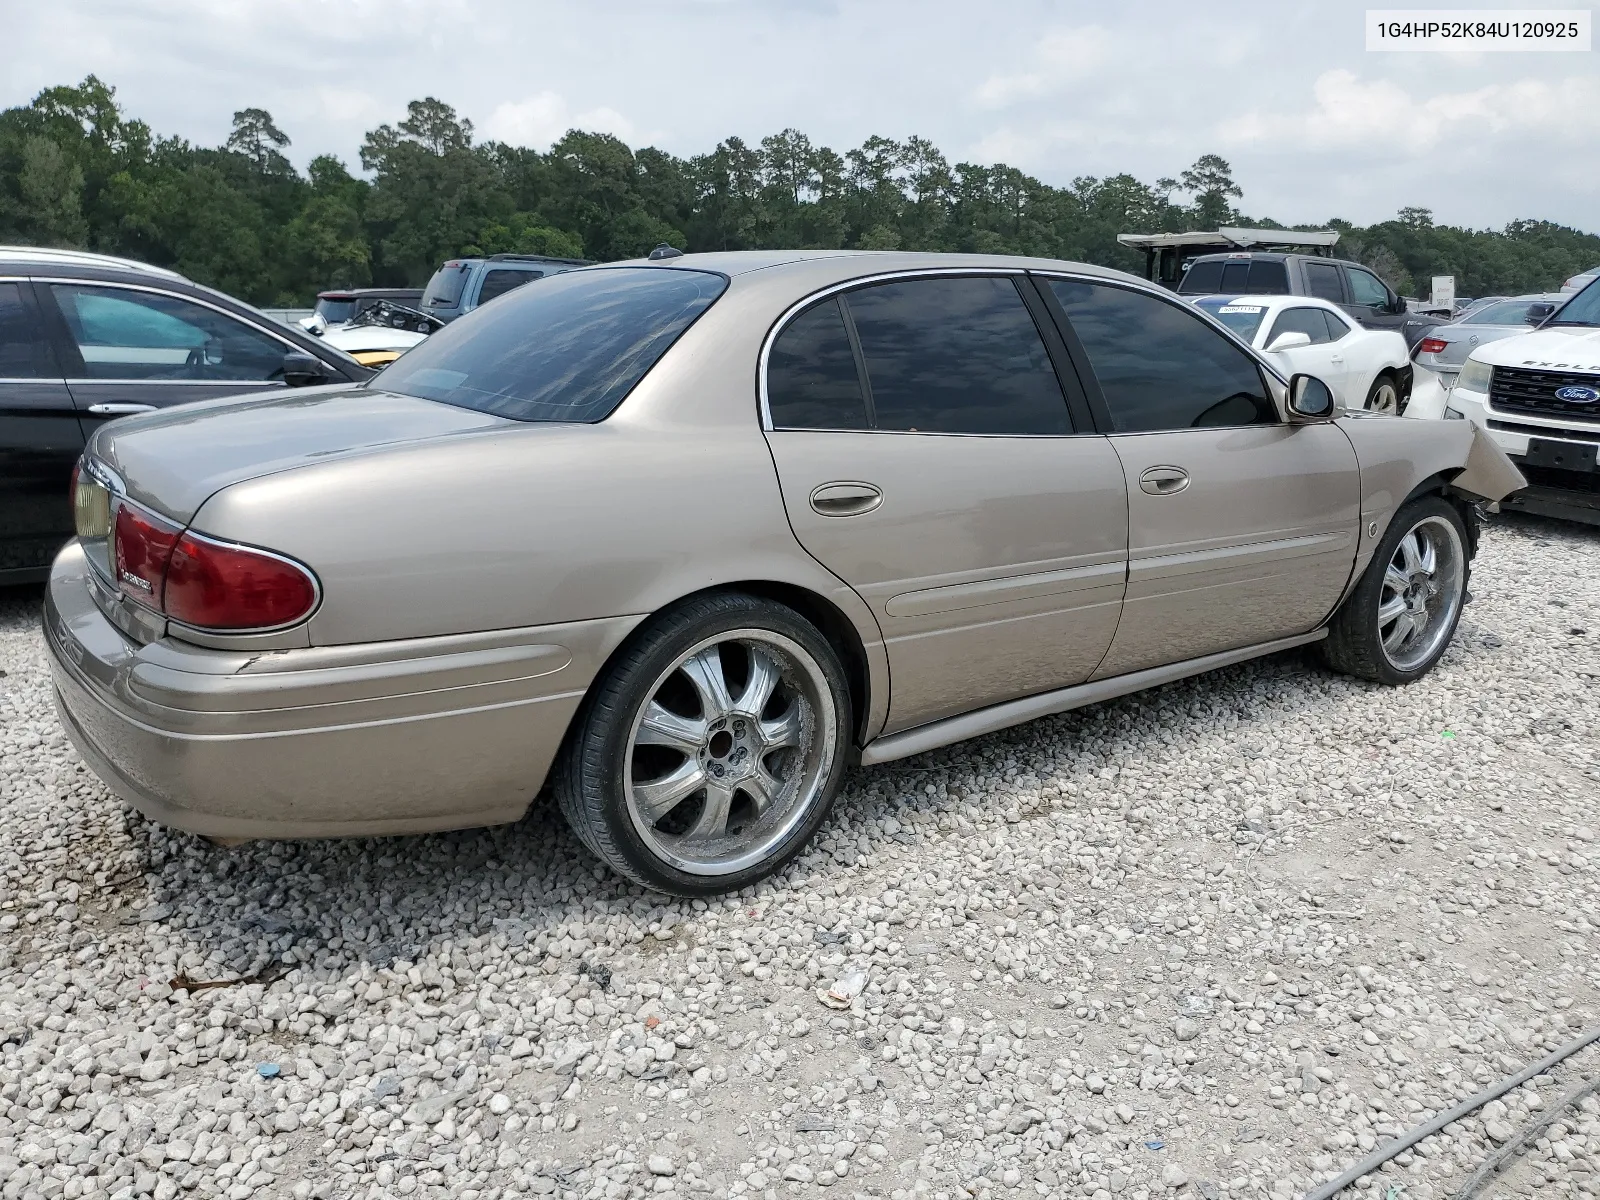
834 289
290 347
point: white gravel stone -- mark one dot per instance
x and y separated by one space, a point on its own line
1254 923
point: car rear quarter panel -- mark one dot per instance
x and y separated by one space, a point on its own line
542 524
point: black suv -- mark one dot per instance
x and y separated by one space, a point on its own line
86 338
1351 286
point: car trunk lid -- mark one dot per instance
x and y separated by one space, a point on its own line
171 461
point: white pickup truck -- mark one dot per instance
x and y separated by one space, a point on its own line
1538 396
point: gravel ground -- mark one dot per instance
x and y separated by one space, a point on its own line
1216 940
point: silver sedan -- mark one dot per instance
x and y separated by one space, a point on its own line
1445 347
685 540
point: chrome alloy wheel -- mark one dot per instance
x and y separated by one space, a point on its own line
1421 593
726 756
1385 399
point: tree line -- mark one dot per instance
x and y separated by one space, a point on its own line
75 171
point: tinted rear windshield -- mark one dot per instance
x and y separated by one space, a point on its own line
445 286
1259 277
1507 312
567 350
335 311
1238 315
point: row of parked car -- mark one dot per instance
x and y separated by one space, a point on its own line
86 338
1525 369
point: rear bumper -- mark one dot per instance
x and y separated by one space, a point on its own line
384 738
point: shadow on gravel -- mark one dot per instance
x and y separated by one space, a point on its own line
335 905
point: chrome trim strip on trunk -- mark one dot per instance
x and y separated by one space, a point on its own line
1015 712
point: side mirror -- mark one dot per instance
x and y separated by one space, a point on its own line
1538 312
1310 399
303 370
314 325
1290 340
1396 304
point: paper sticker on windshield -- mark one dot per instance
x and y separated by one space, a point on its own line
1244 308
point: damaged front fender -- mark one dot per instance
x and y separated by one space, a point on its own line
1489 474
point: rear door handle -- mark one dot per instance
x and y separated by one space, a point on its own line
1164 481
119 410
845 499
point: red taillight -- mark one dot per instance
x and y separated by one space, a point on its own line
217 585
206 583
1432 346
143 545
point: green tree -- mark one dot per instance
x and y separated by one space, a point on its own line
1210 180
51 187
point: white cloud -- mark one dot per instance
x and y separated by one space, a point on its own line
1376 116
1062 57
1060 88
541 119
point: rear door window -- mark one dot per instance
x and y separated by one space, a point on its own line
24 353
1159 365
570 349
955 355
812 381
124 333
502 280
1322 281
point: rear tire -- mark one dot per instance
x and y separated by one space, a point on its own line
1384 395
1399 620
711 749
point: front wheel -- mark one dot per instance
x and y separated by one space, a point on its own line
712 749
1401 616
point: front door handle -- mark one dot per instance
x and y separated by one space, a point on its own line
845 499
1164 481
120 410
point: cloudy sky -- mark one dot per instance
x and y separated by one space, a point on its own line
1314 125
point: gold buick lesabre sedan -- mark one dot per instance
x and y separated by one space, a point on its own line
685 539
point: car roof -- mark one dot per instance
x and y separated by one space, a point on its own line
47 256
335 293
844 265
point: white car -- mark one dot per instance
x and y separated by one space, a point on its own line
1366 368
370 340
1576 283
1538 396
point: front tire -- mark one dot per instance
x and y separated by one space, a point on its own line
711 749
1399 620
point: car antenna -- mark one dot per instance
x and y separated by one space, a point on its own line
665 251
